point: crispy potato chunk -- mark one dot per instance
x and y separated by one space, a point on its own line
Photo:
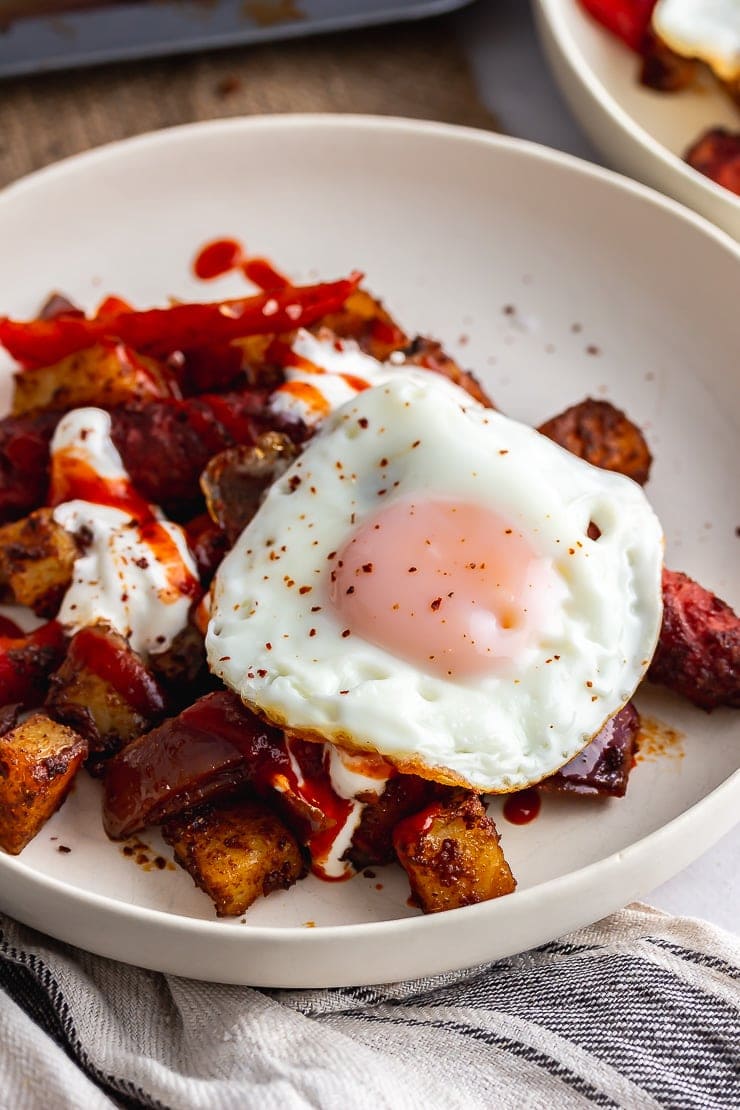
106 374
364 319
235 853
602 435
451 854
431 355
36 561
38 761
105 692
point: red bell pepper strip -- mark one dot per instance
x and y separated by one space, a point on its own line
629 20
118 666
160 331
27 661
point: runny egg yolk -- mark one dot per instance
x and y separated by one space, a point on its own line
450 586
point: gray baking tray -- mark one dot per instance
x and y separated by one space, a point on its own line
145 30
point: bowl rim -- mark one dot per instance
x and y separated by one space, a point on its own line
552 13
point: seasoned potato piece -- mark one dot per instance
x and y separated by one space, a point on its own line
364 319
38 761
36 561
602 435
450 852
431 355
107 374
235 853
103 690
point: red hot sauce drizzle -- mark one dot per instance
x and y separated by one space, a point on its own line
522 807
72 478
308 780
224 256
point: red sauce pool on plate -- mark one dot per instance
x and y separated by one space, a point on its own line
218 258
223 256
522 807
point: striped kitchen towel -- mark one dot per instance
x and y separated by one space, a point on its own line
641 1010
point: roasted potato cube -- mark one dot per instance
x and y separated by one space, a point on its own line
602 435
364 319
38 761
106 374
235 853
430 354
450 852
36 561
105 692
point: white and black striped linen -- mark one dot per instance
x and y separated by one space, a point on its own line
639 1011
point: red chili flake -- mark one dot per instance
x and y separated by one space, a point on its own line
589 684
346 633
315 608
305 589
333 576
289 582
313 489
367 568
382 492
224 659
63 849
262 672
268 646
142 563
332 555
250 674
508 531
416 443
312 631
344 691
508 310
294 482
383 463
571 550
556 656
592 349
353 518
362 422
350 590
412 570
594 697
503 452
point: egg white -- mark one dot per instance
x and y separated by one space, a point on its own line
704 29
496 732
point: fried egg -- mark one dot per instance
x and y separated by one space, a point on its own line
421 584
704 29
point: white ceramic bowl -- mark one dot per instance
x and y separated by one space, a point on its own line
451 226
641 132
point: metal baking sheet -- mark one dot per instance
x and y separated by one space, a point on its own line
143 30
